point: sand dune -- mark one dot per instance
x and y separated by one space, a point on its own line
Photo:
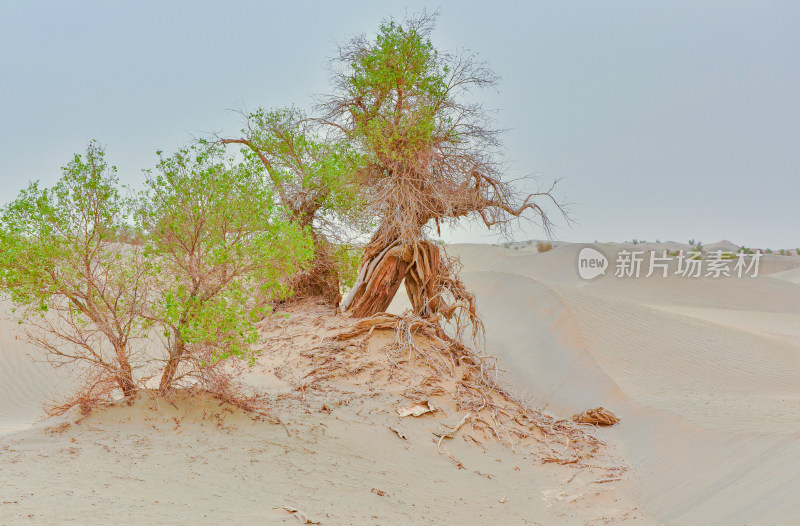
705 374
26 382
791 275
338 451
131 465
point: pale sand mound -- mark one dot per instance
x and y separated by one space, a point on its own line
705 374
332 445
341 465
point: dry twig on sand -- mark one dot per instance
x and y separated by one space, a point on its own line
452 432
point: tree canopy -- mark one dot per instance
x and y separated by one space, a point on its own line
316 180
217 236
432 156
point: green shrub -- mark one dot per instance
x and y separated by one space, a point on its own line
223 249
207 254
82 292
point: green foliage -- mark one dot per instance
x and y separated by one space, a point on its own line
47 235
67 274
309 175
347 260
199 254
431 153
222 246
399 82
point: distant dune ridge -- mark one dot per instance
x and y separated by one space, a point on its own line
704 374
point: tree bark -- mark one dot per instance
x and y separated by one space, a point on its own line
175 355
421 279
125 374
384 268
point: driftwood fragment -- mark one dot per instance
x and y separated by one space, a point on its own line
598 416
399 433
299 515
416 409
452 432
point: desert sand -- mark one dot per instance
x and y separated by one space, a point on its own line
704 374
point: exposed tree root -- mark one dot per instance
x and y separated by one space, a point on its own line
95 391
461 375
309 349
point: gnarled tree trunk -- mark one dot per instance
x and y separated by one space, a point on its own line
385 266
322 278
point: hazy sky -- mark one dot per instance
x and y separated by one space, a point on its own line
669 120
